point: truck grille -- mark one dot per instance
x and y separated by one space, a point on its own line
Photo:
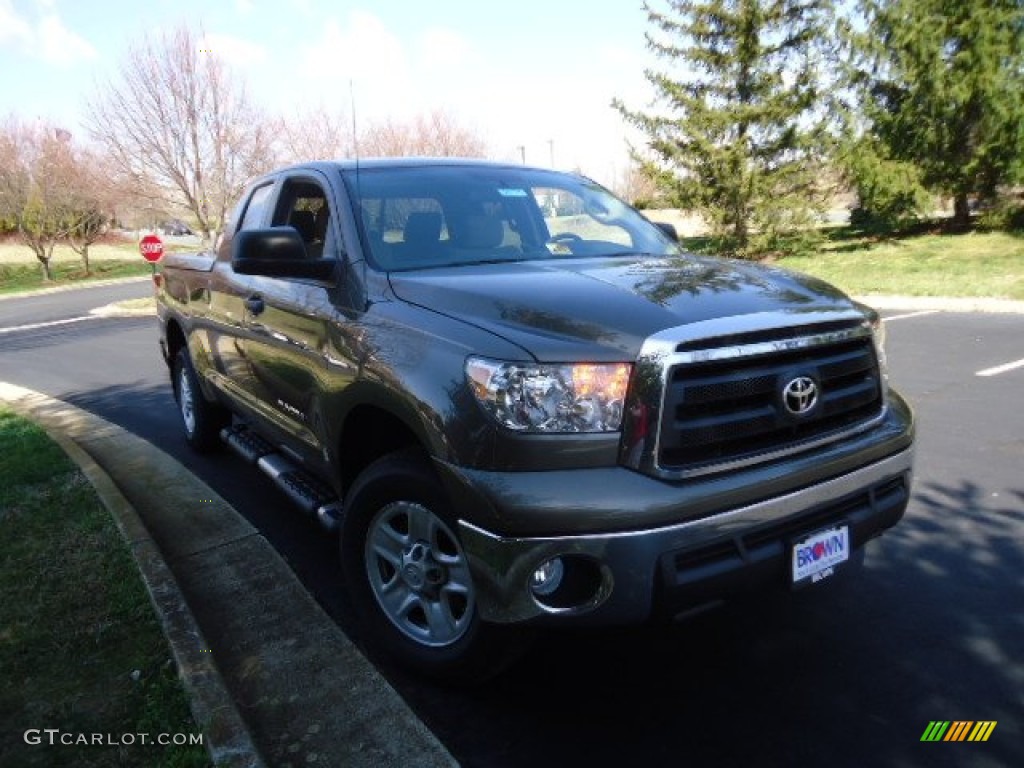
727 410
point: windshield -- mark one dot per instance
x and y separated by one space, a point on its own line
421 217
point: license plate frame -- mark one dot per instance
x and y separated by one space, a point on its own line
816 556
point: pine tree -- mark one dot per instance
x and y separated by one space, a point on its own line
942 87
741 137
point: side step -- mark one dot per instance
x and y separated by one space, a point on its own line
312 496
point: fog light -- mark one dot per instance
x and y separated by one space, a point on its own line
548 577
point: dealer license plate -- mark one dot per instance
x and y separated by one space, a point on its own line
816 557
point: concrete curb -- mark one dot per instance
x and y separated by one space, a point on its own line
943 304
118 309
287 683
227 739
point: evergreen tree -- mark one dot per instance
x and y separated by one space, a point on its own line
942 88
741 138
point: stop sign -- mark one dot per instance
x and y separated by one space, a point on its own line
152 248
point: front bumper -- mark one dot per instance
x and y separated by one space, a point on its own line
688 564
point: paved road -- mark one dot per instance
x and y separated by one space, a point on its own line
930 629
66 304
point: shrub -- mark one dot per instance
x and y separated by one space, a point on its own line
1006 214
891 193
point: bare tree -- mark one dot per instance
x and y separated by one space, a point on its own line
178 124
315 134
13 178
93 196
636 187
319 134
436 133
33 190
11 181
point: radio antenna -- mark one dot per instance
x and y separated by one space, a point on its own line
355 144
355 134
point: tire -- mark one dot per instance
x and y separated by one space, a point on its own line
409 579
201 419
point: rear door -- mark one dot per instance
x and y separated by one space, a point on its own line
218 344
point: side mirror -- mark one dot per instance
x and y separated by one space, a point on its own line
668 229
277 252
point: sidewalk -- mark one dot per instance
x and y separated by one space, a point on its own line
271 678
943 304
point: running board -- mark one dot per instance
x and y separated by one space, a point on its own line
312 496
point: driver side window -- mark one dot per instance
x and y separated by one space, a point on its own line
256 207
566 214
304 207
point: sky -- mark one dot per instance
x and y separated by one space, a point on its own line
533 74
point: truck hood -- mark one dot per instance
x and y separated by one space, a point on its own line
603 309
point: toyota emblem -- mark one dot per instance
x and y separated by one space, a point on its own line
800 395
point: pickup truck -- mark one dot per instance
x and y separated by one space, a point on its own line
520 403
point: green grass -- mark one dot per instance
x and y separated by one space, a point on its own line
18 278
972 264
113 257
80 647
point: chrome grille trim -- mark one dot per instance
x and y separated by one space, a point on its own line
724 340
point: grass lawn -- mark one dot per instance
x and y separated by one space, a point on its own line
80 647
13 251
20 270
972 264
18 278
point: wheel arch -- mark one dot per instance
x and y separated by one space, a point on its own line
176 340
473 650
370 431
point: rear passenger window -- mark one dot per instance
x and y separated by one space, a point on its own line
253 218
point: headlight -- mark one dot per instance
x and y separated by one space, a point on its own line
551 398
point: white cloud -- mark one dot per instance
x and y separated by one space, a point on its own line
441 48
235 51
58 44
363 49
13 28
244 7
46 37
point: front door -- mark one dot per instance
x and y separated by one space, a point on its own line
287 322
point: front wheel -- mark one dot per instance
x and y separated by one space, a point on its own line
409 576
201 419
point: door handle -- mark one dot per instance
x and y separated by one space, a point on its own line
255 304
